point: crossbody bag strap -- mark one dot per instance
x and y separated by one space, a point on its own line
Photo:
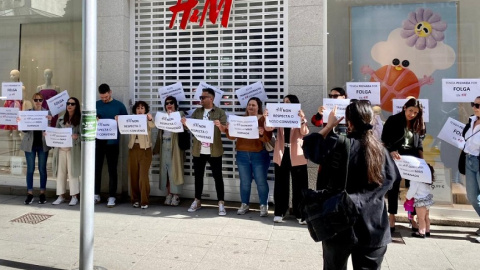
339 164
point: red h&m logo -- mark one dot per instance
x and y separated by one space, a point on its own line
189 5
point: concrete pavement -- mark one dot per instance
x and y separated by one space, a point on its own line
163 237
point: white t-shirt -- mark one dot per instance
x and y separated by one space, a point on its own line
205 149
472 145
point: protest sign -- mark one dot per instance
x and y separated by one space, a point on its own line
133 124
33 120
253 90
58 103
58 137
243 126
169 122
460 90
364 91
201 129
329 104
107 129
283 115
174 90
399 103
218 92
8 116
414 169
12 90
451 133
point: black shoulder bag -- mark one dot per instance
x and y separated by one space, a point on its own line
331 210
463 155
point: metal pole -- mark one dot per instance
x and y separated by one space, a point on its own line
89 124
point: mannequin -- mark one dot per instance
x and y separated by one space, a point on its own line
48 90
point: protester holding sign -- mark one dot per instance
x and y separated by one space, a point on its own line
172 157
67 161
33 143
402 135
140 158
288 158
253 160
317 119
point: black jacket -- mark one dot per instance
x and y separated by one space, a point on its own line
394 132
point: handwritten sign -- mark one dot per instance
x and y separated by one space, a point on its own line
174 90
169 122
399 103
283 115
133 124
8 116
243 126
107 129
452 133
253 90
12 90
414 169
201 129
364 91
329 104
58 137
191 14
58 103
218 92
460 90
33 120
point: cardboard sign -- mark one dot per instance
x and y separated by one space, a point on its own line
364 91
218 93
33 120
169 122
253 90
460 90
107 129
133 124
414 169
283 115
329 104
12 90
201 129
58 103
452 133
174 90
399 103
243 126
8 116
59 137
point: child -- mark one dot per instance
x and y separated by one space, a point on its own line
422 193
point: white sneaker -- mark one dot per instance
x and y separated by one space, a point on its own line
301 222
175 200
145 206
277 219
221 209
264 210
97 198
478 239
243 209
73 201
168 200
111 202
136 205
59 200
195 206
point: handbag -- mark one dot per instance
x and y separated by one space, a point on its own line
184 140
270 145
331 210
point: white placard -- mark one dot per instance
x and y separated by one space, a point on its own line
218 92
12 90
253 90
169 122
399 103
414 169
174 90
33 120
58 137
8 116
329 104
460 90
283 115
58 103
107 129
243 126
452 133
133 124
364 91
201 129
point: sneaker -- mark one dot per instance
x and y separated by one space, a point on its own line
478 232
175 200
277 219
42 199
145 206
168 200
73 201
243 209
29 199
221 209
111 202
264 210
59 200
136 205
477 239
97 198
301 222
196 204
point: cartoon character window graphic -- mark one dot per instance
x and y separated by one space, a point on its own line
423 52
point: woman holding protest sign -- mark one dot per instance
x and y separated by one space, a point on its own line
289 159
67 160
253 160
172 156
403 135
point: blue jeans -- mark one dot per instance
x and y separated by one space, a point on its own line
472 184
253 164
42 167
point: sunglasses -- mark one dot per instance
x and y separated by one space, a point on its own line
37 99
476 105
334 96
168 102
71 103
203 97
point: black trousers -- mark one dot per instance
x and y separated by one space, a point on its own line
393 193
335 256
111 151
199 164
281 192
